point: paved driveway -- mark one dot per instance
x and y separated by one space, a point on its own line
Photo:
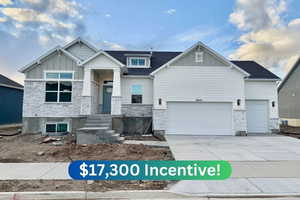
233 148
260 164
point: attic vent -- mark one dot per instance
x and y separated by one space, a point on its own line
199 57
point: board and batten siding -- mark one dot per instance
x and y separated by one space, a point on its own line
289 97
208 83
147 88
263 90
81 51
55 62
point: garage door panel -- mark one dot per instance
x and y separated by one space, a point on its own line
199 118
257 116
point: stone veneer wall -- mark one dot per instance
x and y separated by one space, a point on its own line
159 119
274 124
239 120
35 106
137 110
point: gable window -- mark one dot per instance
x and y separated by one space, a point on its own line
136 94
60 127
58 88
137 62
199 57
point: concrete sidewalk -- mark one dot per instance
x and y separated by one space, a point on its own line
59 171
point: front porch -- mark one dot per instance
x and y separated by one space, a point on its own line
101 92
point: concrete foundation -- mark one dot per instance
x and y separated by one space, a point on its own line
132 125
38 124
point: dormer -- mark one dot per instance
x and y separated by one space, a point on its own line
138 60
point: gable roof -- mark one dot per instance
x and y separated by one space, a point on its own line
160 58
48 53
289 74
201 45
105 54
80 40
6 82
255 70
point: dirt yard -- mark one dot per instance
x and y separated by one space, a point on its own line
290 131
29 148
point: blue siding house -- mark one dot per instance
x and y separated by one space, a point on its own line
11 101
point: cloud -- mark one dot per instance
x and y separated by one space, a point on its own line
111 46
171 11
6 2
267 38
30 27
108 15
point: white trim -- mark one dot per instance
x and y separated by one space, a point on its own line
80 40
261 79
137 76
56 123
43 80
193 47
59 72
58 91
129 65
99 53
10 86
38 60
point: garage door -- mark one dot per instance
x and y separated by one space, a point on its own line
257 116
199 118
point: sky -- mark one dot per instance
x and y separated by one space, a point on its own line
267 31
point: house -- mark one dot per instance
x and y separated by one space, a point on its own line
195 92
11 101
289 96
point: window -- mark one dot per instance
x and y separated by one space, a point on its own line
199 57
58 90
137 62
60 127
136 94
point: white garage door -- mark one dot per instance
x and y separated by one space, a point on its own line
257 116
199 118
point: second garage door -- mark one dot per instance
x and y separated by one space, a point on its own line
199 118
257 116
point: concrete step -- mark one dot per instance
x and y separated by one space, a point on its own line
98 117
97 125
111 132
93 128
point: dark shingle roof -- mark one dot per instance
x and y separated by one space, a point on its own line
159 58
6 81
255 70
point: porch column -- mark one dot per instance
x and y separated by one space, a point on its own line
86 99
116 99
86 91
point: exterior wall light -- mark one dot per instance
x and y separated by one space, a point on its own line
273 104
159 101
238 102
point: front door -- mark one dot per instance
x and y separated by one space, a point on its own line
107 91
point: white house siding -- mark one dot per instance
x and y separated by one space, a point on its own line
34 101
55 62
264 90
81 51
136 110
204 83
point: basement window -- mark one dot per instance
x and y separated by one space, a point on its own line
60 127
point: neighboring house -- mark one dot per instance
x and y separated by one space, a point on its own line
195 92
11 101
289 96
